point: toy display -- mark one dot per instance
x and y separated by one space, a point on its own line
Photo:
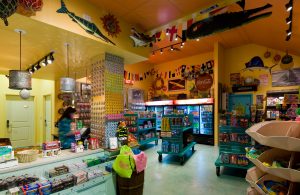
142 127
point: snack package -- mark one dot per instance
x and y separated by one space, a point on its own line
80 177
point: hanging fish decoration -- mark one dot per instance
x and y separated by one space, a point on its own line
226 21
29 7
89 27
256 63
7 8
140 39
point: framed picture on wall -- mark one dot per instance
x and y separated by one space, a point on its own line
176 84
135 95
289 77
86 89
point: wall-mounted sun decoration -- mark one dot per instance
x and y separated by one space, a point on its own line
111 25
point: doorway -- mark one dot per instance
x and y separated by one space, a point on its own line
47 118
20 120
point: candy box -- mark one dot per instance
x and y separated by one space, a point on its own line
80 177
51 145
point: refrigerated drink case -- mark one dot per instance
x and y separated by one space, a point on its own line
159 113
195 111
206 119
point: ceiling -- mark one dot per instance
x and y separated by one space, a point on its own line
40 39
148 15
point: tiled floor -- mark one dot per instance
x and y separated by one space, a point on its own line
196 177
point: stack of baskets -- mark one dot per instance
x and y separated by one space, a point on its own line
26 156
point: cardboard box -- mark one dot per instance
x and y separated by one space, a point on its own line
272 155
278 134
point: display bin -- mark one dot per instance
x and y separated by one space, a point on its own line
131 186
278 134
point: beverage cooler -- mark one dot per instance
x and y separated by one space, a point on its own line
160 108
201 109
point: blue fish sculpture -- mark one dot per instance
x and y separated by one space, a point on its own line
89 27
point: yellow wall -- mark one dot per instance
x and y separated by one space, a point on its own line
236 58
39 89
172 65
139 68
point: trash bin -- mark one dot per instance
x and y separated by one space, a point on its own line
132 186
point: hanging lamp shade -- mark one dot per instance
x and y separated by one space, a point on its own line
67 84
19 79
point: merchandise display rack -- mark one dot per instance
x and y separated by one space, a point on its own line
143 127
98 184
283 140
174 136
232 142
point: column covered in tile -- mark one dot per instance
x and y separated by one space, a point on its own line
107 96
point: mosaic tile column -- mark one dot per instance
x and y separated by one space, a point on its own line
107 96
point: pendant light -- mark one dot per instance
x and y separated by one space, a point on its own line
67 84
20 79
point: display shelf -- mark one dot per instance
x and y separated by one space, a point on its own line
219 163
176 144
147 118
144 142
231 146
144 122
146 129
180 154
77 189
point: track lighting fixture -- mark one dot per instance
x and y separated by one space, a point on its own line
289 31
48 59
289 6
289 19
171 47
45 62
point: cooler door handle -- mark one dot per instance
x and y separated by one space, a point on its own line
7 123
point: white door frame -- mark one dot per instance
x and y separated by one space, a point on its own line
44 116
34 115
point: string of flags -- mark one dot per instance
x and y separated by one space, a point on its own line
180 71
